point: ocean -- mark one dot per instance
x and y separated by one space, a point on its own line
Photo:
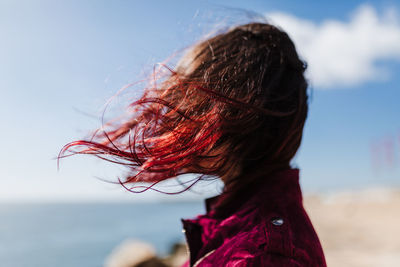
84 234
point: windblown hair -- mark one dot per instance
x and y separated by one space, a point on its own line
235 105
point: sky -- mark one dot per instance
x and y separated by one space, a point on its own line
61 61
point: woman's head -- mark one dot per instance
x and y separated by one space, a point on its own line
235 102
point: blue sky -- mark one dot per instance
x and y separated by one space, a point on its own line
62 60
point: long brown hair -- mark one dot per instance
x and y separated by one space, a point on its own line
234 106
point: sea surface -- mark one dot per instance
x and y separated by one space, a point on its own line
84 234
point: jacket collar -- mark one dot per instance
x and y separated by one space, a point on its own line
282 184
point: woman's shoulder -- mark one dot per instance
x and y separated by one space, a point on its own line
263 238
271 228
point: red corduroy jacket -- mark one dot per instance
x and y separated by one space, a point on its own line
270 228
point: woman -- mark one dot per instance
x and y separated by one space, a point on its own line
234 107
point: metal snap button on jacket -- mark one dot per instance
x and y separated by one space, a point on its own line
277 221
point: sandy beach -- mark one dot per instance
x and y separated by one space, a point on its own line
358 229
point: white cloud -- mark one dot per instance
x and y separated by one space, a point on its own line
343 54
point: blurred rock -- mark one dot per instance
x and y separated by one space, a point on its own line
178 255
153 262
133 253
